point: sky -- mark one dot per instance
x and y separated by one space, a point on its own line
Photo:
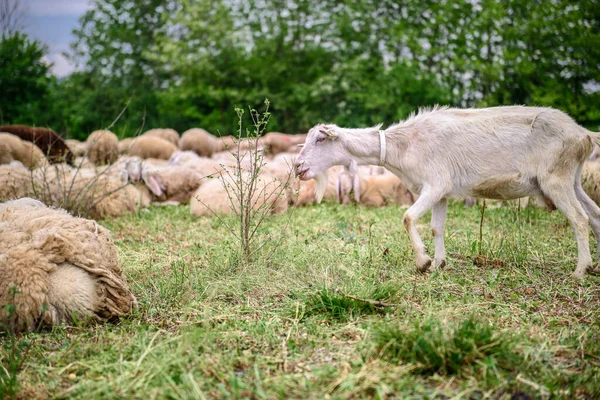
51 22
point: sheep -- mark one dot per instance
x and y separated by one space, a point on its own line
15 181
381 190
63 269
501 152
169 135
280 142
371 186
102 147
182 157
77 148
200 141
225 143
124 145
174 183
213 197
51 144
590 179
14 149
98 192
152 147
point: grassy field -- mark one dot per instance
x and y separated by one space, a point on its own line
512 323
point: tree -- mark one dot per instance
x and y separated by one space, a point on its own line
24 78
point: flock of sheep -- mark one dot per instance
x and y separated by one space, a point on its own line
54 265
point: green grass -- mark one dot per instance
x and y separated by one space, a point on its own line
294 324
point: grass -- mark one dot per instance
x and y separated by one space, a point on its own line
509 323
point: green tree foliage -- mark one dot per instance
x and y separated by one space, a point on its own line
24 79
189 63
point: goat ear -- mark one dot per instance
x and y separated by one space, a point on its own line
153 184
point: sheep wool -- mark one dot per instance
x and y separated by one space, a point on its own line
200 141
124 145
15 181
50 143
212 198
77 147
56 268
151 147
170 135
12 148
102 147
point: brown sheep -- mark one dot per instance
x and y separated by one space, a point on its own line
51 144
200 141
14 149
169 135
152 147
56 268
102 147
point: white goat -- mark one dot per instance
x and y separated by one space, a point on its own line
500 153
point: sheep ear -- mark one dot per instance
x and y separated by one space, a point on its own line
153 184
124 176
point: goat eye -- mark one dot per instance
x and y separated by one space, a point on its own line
320 139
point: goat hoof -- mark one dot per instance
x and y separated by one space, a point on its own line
579 274
441 265
424 267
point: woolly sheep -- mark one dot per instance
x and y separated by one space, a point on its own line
172 183
213 196
501 152
14 149
170 135
102 147
280 142
152 147
381 190
49 142
198 140
15 181
65 269
225 143
124 145
590 179
77 148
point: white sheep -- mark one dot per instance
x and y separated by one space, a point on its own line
12 148
216 195
56 268
102 147
501 153
151 147
200 141
169 135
